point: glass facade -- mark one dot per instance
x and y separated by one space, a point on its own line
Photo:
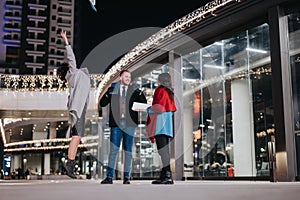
227 114
228 89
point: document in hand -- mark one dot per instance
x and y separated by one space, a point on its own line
140 106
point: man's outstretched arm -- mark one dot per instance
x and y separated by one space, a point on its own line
70 53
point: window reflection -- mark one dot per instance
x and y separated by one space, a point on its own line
228 87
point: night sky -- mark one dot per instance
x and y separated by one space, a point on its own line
113 17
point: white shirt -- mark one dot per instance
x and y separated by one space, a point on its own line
121 89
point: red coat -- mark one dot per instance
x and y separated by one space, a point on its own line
162 102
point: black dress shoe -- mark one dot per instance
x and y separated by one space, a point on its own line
107 180
126 181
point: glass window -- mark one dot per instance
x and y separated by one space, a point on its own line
146 161
228 89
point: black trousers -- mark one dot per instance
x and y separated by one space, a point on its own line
162 143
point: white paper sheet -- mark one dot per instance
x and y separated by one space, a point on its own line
140 106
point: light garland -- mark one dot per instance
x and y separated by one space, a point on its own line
178 26
51 83
11 146
50 147
48 141
238 73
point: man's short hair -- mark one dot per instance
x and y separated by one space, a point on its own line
124 70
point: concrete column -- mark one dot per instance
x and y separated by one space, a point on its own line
52 130
46 163
177 146
242 126
16 162
285 162
188 135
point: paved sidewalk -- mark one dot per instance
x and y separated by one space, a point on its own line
144 190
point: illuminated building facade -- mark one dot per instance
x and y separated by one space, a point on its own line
30 35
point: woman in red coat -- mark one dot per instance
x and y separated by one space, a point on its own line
160 124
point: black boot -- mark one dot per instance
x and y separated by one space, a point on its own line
69 167
167 178
161 177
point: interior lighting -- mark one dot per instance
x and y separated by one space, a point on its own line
256 50
214 66
219 43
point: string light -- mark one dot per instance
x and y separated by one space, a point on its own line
49 147
47 144
167 32
239 73
25 83
48 141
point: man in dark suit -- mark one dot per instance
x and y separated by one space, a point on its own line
123 121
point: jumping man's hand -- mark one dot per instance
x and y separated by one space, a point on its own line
63 34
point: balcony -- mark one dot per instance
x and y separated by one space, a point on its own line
13 5
34 65
65 2
35 53
12 42
13 39
36 29
35 41
56 56
64 11
12 16
37 6
12 27
35 17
